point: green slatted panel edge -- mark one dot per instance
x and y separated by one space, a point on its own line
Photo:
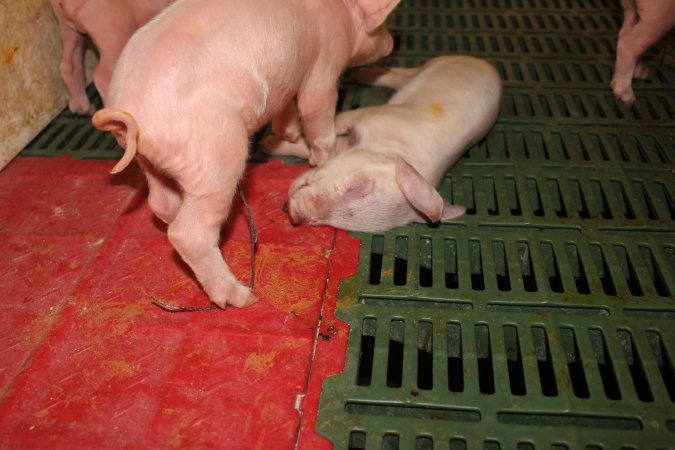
543 318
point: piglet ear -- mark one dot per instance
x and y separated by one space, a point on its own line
375 12
422 196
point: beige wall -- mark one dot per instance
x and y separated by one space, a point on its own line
31 90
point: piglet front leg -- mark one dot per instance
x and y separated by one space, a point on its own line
316 105
344 138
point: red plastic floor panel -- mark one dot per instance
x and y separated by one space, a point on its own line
89 362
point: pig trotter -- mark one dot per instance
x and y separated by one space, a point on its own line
195 234
254 241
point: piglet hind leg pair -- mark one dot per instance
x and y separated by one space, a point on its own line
196 213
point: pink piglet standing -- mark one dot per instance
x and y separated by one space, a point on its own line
109 24
194 84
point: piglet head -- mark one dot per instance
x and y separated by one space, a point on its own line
327 194
373 41
363 191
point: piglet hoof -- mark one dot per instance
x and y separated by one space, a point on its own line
238 296
317 157
242 301
628 98
625 94
81 107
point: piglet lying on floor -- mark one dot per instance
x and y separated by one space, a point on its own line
390 157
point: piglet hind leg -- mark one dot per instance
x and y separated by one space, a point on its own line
195 231
164 198
195 234
72 71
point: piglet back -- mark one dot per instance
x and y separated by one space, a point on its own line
123 126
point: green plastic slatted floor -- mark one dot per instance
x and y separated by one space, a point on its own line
544 318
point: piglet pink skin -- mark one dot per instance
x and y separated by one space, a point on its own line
194 84
390 157
644 23
109 24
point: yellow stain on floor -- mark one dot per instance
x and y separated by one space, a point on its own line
260 363
118 369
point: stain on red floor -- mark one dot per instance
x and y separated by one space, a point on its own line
89 362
